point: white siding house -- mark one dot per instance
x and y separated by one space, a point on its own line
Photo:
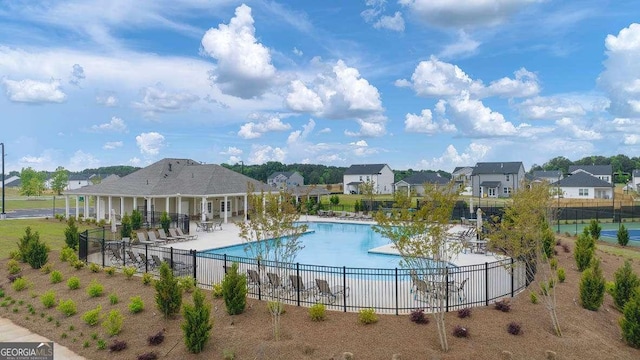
635 180
380 175
602 172
581 185
285 179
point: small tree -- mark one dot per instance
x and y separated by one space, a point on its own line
234 290
25 242
125 230
595 229
37 252
168 292
626 282
368 190
165 221
548 240
136 219
71 236
334 200
584 250
623 235
630 321
197 324
592 286
59 180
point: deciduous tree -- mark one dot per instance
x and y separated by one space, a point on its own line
59 180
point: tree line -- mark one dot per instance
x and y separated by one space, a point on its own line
622 165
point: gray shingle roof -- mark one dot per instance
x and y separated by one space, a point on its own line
593 169
364 169
458 168
555 174
582 179
286 174
424 177
175 176
497 168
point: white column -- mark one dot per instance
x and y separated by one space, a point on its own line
97 208
166 204
149 206
135 203
121 206
179 204
225 209
86 206
77 207
66 206
203 205
110 201
245 207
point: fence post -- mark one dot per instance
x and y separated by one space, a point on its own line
512 277
397 291
146 257
171 258
446 289
224 266
124 257
298 284
193 253
102 246
259 282
344 284
486 284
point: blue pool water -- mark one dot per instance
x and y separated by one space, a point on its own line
335 244
634 234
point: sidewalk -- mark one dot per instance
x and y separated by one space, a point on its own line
12 332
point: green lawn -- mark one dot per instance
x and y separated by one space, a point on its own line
51 232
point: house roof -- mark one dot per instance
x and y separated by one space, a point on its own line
593 169
364 169
420 178
490 184
550 174
78 177
636 173
581 179
174 176
355 183
13 181
460 168
286 174
497 168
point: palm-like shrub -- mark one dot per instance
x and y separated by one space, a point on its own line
592 286
626 281
234 291
197 324
585 248
168 292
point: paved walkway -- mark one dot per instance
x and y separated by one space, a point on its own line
12 332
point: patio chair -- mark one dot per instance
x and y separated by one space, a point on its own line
163 236
144 260
423 291
175 235
297 286
188 236
331 293
152 237
179 267
275 285
116 258
198 226
253 279
156 261
134 260
217 225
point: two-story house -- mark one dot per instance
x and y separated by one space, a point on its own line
380 175
285 179
635 180
582 185
602 172
462 176
497 179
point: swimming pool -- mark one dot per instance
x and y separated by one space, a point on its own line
335 244
634 235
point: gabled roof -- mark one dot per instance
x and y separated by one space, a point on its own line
420 178
78 177
593 169
364 169
582 179
550 174
460 168
286 174
172 177
497 168
13 181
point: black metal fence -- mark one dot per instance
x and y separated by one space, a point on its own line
386 290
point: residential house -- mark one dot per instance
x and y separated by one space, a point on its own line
380 175
415 182
462 176
582 185
77 181
549 176
12 181
602 172
635 180
497 179
285 179
181 186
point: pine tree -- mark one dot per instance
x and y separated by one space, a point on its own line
630 321
585 248
592 286
626 281
168 292
623 236
197 323
234 291
71 236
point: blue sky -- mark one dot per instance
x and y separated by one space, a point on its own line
422 84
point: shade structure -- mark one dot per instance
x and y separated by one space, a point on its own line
479 221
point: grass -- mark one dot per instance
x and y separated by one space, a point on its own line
15 201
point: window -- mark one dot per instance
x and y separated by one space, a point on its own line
507 191
367 177
507 178
209 207
583 192
360 177
222 206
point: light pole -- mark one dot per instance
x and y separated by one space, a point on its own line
3 215
241 167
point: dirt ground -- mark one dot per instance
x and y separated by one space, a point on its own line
586 334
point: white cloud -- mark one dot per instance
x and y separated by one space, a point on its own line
303 99
261 154
32 91
77 75
156 100
253 130
621 77
81 160
297 51
578 131
395 22
107 100
368 129
435 78
325 131
464 14
361 148
244 65
116 124
550 108
233 151
464 46
150 143
474 119
525 84
424 123
110 145
631 139
135 161
301 135
452 158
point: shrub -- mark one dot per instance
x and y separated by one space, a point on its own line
585 248
197 323
630 321
514 328
36 253
136 220
626 281
544 290
68 254
95 289
102 344
592 286
594 229
187 283
464 313
55 277
13 277
156 339
148 356
113 299
367 316
216 290
113 322
110 270
71 236
534 298
95 268
25 241
460 332
117 345
13 267
125 229
317 312
165 221
67 307
20 284
562 275
548 241
73 283
48 299
92 317
136 305
168 293
553 263
503 305
609 286
129 271
147 278
234 290
46 268
417 316
623 235
78 264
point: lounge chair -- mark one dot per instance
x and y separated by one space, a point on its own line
134 260
116 258
331 293
163 236
156 261
144 260
297 286
142 238
275 285
152 237
175 235
458 288
253 279
179 267
198 226
188 236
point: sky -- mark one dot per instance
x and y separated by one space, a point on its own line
419 84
